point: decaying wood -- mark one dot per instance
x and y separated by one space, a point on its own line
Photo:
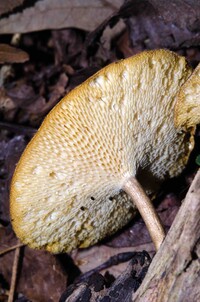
174 274
9 249
99 288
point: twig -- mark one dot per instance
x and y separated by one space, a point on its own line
14 275
9 249
174 271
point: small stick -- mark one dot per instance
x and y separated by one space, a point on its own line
9 249
146 209
14 275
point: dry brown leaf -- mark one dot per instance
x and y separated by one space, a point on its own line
40 276
10 54
163 24
7 6
88 259
47 14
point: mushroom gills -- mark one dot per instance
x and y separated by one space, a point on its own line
94 143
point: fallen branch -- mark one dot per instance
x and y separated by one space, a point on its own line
98 288
174 274
10 249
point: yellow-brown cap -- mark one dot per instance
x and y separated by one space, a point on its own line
66 190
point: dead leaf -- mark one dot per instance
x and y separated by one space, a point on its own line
10 54
55 14
90 258
57 92
7 6
150 29
40 276
157 24
68 44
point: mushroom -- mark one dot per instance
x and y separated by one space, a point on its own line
99 153
187 109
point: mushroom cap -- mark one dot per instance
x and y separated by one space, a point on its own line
187 109
66 189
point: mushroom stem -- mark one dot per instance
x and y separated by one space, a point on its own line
146 209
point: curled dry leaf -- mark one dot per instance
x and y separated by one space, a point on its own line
115 127
45 14
10 54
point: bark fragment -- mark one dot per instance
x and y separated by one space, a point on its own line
174 273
